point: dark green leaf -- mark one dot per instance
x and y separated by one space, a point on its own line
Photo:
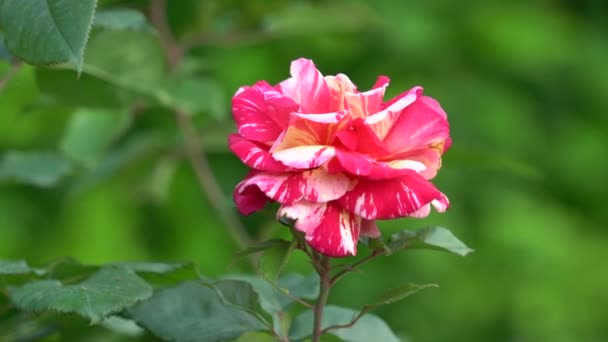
121 19
90 132
4 53
193 311
14 267
111 289
436 238
262 246
37 168
47 31
369 328
164 274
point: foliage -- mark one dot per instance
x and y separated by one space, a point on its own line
96 165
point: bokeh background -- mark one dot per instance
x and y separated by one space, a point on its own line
525 86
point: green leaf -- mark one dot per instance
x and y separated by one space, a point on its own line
122 19
300 286
369 328
262 246
193 311
273 261
242 295
396 294
111 289
196 94
163 274
42 169
9 267
90 132
4 53
435 238
138 65
47 31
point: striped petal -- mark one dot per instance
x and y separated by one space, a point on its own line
382 122
327 227
248 199
362 105
261 113
305 157
254 155
392 198
287 188
421 124
307 87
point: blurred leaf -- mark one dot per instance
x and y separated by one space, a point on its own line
111 289
435 238
256 337
369 328
139 65
47 31
306 18
194 312
90 132
121 19
122 326
242 295
262 246
42 169
14 267
273 261
61 87
196 94
300 286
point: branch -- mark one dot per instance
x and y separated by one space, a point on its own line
350 268
193 144
347 325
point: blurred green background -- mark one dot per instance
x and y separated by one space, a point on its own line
524 84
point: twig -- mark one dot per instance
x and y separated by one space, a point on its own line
9 74
350 268
324 274
347 325
194 148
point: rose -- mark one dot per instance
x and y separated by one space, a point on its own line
337 159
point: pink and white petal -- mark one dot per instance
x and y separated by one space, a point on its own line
327 227
261 115
307 87
338 86
381 82
391 198
429 157
287 188
383 121
362 105
370 228
367 140
305 157
254 155
419 125
310 129
248 199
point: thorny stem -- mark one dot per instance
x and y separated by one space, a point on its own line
193 143
324 269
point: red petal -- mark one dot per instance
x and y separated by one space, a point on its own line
391 198
328 228
248 199
254 155
261 113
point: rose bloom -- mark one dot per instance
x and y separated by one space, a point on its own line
335 158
